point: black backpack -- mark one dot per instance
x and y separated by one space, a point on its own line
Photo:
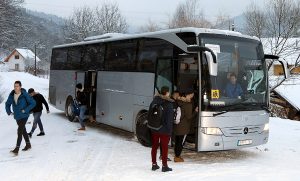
155 116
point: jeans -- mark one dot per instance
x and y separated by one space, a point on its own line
37 121
22 131
82 116
163 140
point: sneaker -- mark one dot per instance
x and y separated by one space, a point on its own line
81 129
30 135
155 167
166 169
27 147
41 134
15 151
178 159
169 159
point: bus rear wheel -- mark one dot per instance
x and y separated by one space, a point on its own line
69 109
143 133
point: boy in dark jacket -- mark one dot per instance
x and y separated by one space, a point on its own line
162 136
37 111
21 103
82 100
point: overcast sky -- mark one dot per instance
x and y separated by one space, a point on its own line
138 12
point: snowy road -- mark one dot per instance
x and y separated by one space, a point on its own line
106 154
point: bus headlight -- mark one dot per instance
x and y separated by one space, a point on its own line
266 128
212 131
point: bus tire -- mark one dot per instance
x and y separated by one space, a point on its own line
69 109
143 133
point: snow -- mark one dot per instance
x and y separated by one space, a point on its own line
103 153
290 89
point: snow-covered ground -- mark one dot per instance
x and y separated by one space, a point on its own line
101 153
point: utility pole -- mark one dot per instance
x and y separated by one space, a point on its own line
35 59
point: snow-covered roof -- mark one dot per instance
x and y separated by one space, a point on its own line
289 55
289 90
25 53
155 34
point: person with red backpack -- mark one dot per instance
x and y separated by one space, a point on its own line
160 121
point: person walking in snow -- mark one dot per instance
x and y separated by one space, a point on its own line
81 98
21 103
37 111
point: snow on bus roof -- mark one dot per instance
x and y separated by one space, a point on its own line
119 36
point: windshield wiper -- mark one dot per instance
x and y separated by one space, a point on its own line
219 113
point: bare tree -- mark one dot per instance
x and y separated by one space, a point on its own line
189 14
255 21
10 20
79 25
223 21
86 21
109 19
276 24
150 27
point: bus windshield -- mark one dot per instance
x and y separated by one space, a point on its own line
241 80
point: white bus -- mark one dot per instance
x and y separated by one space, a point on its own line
122 73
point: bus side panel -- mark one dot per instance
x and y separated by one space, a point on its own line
64 83
118 92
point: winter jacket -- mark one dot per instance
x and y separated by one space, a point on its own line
168 113
233 90
81 97
24 105
40 100
188 116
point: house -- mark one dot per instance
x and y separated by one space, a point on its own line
20 59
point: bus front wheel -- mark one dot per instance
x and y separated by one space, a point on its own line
69 109
143 133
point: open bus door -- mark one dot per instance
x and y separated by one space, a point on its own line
90 85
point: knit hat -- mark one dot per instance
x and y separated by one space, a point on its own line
31 90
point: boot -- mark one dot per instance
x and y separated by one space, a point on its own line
82 129
30 135
155 167
27 147
15 151
178 159
41 134
166 169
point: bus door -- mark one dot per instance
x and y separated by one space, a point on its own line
164 74
90 85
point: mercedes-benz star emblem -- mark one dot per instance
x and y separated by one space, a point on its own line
246 130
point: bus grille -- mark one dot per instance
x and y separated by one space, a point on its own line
242 131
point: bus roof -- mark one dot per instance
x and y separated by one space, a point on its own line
108 37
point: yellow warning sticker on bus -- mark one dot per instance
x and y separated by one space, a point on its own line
215 94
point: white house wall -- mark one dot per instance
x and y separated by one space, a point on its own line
12 62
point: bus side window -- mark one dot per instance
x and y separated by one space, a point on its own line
59 59
121 56
93 57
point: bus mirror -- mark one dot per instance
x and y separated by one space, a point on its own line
196 49
285 68
283 64
212 66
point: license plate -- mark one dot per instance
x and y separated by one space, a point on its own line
244 142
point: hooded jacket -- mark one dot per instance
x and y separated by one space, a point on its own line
187 117
23 107
168 115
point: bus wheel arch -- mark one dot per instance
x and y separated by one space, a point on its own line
69 108
143 133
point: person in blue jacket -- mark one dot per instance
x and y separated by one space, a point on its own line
233 89
21 103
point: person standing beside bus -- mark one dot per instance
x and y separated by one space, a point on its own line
81 98
162 136
186 121
21 104
37 111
